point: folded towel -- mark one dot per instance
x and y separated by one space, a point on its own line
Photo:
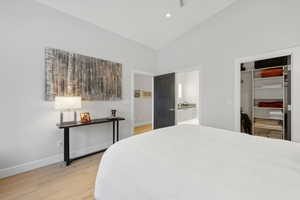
276 113
271 104
272 86
272 72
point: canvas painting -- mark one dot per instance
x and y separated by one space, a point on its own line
71 74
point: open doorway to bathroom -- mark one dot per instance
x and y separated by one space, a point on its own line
187 97
143 102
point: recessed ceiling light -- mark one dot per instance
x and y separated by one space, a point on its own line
168 15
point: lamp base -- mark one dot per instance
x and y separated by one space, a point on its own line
62 117
75 116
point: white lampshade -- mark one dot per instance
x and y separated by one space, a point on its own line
67 103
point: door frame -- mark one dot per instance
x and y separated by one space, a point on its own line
133 73
295 60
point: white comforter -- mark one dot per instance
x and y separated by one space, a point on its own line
190 162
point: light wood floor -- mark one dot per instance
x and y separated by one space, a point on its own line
57 182
54 182
142 129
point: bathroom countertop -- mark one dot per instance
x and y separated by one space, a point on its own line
188 106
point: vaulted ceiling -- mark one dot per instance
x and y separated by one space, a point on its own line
143 21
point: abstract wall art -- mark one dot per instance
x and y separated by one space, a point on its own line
71 74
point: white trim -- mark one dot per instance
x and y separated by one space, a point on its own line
11 171
182 69
176 98
133 73
237 103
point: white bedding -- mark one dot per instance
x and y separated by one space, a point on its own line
190 162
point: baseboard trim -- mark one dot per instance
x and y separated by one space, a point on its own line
142 123
11 171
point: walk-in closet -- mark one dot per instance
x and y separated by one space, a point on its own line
266 98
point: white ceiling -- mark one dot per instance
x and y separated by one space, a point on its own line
143 21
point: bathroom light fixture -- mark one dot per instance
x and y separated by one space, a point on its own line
168 15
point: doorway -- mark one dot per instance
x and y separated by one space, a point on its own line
177 99
188 97
266 97
292 109
164 100
142 102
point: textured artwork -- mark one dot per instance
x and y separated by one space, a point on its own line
71 74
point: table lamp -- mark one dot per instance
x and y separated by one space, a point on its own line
67 104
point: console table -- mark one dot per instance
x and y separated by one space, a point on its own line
67 125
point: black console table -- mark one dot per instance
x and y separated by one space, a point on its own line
67 125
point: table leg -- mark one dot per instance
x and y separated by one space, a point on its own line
67 146
114 132
117 130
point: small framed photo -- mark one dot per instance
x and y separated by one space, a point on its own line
85 117
146 94
137 93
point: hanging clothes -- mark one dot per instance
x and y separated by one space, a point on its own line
246 123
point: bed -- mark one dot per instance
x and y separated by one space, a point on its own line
191 162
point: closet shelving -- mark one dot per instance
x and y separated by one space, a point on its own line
269 127
269 78
266 108
268 121
265 97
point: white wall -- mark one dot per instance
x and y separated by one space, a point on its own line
190 86
142 106
28 130
191 91
247 27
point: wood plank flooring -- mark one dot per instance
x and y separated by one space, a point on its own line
57 182
142 129
54 182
